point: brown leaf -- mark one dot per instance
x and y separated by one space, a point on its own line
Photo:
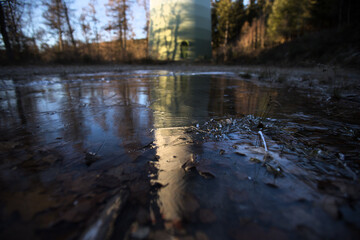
255 160
240 153
206 174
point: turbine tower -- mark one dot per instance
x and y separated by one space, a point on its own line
180 29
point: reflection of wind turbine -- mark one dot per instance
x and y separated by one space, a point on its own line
173 152
174 107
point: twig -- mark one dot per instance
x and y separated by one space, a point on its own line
100 148
103 226
263 140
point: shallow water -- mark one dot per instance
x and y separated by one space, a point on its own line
70 143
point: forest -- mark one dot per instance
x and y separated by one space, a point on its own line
241 30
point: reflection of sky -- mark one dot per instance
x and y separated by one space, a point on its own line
173 100
85 110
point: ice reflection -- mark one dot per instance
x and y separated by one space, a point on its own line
83 111
181 100
48 124
172 150
81 114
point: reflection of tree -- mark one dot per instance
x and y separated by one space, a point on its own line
179 99
175 31
72 113
124 115
241 98
216 103
164 33
20 107
80 113
96 104
131 120
26 105
173 22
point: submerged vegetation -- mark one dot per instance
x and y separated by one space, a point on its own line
285 139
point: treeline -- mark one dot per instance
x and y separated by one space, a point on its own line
25 40
240 30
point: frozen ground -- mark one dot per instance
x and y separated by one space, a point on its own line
157 152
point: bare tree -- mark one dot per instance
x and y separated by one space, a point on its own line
118 11
85 28
68 22
146 6
12 24
33 32
54 19
57 17
4 34
95 23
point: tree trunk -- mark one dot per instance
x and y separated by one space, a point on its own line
14 25
121 39
256 33
262 31
147 28
226 40
125 24
61 44
58 15
69 26
147 38
97 46
5 35
95 28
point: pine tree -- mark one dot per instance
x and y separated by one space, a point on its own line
288 19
